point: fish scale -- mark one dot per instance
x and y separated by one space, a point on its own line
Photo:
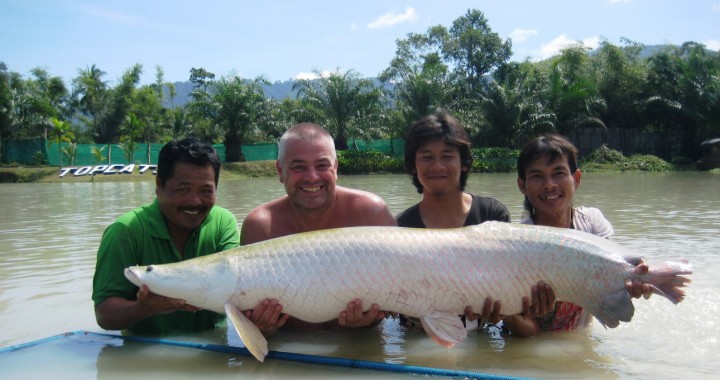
432 274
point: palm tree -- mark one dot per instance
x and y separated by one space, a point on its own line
179 123
233 106
61 132
572 94
89 93
349 106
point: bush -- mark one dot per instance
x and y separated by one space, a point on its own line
647 162
491 160
604 158
365 162
605 155
39 158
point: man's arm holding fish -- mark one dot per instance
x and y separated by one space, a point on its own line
523 324
543 301
117 313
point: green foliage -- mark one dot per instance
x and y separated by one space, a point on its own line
344 103
650 163
461 67
605 155
494 160
230 106
70 151
40 158
98 153
364 162
604 158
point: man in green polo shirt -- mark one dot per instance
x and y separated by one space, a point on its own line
183 222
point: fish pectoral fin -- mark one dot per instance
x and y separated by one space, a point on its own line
250 335
614 307
445 329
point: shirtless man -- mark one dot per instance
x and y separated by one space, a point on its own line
307 167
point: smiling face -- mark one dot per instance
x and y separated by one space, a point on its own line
438 167
550 186
187 197
309 172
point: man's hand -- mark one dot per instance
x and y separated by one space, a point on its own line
638 288
490 312
354 316
267 316
543 301
157 304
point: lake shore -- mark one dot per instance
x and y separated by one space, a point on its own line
24 174
234 170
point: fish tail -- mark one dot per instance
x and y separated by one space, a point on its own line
666 279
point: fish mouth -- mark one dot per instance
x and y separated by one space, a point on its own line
132 277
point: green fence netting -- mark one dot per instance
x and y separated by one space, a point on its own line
24 152
391 147
260 152
40 151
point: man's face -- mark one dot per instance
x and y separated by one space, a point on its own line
550 185
309 173
438 167
187 197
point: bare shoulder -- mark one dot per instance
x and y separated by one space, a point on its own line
359 198
368 208
257 225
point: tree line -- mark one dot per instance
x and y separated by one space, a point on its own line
463 68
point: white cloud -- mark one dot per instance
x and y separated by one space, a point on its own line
562 41
389 19
521 35
716 7
592 42
302 76
312 75
353 26
553 47
712 44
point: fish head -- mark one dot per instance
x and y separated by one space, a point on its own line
200 284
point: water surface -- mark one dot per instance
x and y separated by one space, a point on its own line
49 234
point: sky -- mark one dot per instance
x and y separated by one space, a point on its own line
288 39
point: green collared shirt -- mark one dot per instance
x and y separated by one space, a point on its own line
141 237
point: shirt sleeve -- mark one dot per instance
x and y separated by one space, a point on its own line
592 220
228 232
117 251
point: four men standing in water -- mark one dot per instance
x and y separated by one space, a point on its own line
438 159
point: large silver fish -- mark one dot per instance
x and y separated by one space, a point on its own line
432 274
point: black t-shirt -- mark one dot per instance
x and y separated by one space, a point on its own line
481 210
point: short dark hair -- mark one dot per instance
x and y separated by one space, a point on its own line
437 126
188 151
551 146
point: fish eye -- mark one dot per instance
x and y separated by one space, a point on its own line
149 268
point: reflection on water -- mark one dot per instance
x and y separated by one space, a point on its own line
49 234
